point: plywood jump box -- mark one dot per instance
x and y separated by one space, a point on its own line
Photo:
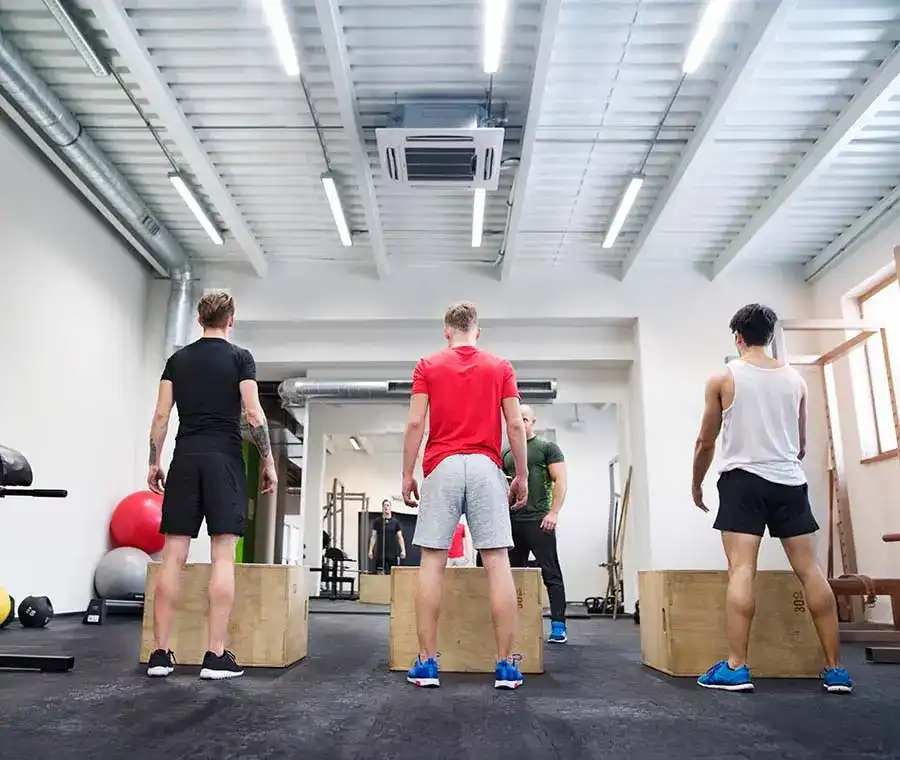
375 589
269 621
683 629
466 634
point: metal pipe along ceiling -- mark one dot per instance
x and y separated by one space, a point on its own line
32 95
297 391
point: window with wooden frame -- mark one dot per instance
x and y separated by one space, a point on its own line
881 305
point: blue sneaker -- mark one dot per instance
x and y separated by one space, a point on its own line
424 673
507 675
558 633
837 681
720 676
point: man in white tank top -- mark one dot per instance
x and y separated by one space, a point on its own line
758 404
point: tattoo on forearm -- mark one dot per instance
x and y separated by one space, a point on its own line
260 437
154 452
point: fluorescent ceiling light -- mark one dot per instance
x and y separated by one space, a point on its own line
478 217
710 24
337 211
354 442
194 205
494 27
68 24
276 18
625 205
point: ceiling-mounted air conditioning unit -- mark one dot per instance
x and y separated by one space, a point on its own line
441 145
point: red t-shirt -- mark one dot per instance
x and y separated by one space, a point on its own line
457 546
465 388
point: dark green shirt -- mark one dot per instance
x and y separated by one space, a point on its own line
541 454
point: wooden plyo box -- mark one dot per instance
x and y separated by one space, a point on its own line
466 634
683 629
269 621
375 589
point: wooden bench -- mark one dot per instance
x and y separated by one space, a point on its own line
869 588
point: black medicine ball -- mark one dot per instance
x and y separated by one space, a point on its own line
35 611
10 615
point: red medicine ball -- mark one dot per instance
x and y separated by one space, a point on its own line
135 522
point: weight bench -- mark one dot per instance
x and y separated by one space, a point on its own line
15 478
873 633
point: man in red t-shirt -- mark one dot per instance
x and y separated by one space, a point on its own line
461 392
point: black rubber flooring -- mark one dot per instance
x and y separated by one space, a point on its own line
595 701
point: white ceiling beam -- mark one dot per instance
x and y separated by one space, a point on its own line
329 14
881 216
549 23
124 37
868 101
752 53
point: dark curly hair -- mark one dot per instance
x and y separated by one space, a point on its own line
755 323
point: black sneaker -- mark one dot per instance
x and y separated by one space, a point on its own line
162 664
217 668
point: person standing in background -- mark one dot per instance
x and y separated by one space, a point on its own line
386 544
534 526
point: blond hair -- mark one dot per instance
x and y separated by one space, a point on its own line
215 309
461 317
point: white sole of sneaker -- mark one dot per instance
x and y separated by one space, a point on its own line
838 689
426 683
729 687
219 675
558 641
160 671
507 684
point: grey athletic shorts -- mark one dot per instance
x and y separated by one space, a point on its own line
469 483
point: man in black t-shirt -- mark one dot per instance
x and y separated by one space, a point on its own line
386 544
209 381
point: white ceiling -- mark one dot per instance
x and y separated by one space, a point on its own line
782 147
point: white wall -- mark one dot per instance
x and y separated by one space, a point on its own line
72 385
873 487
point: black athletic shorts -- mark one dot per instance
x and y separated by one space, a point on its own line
208 485
750 504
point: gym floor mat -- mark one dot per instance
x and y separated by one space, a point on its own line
595 700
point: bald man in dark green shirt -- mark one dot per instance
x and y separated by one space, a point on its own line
534 525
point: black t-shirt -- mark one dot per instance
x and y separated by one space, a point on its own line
206 377
387 530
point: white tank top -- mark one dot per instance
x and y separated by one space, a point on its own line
760 430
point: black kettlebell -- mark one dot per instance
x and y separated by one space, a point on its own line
35 611
9 615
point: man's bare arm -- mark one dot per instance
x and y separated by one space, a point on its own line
159 426
415 432
711 425
802 424
258 426
557 472
515 432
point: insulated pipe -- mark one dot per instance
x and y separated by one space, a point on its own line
297 391
24 88
179 311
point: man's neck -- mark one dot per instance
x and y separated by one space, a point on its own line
458 340
215 333
529 437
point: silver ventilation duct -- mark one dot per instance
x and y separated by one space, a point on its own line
297 391
39 103
23 87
